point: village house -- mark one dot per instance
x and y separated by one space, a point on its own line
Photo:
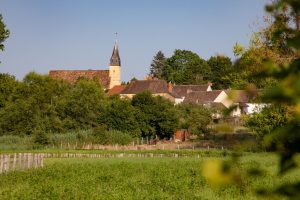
156 87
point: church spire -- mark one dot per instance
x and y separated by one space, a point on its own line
115 58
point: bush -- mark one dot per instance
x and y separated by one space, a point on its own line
112 137
40 138
194 118
268 120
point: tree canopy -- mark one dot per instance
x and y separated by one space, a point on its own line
157 65
4 33
186 67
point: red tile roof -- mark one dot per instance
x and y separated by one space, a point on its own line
72 75
117 89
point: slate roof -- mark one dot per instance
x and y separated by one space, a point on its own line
115 57
117 89
202 97
183 90
72 76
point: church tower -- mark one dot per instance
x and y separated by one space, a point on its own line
115 67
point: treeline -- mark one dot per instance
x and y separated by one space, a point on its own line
39 104
249 69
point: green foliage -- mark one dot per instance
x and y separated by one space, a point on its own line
83 104
8 84
13 142
156 115
48 104
157 65
194 118
72 137
150 178
238 49
112 137
186 67
31 105
266 121
248 67
283 130
40 138
286 92
120 115
221 71
4 33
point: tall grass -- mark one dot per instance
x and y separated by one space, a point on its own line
12 142
64 140
136 178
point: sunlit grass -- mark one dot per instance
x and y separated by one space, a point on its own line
135 178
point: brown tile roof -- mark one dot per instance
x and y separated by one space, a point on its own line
117 89
183 90
202 97
154 86
72 75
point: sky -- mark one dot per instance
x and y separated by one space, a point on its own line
79 34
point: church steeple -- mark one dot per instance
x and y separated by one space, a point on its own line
115 67
115 58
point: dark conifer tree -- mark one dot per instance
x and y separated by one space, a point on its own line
157 65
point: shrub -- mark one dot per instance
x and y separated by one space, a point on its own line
40 138
112 137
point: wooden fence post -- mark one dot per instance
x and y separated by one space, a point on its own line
1 164
6 162
15 162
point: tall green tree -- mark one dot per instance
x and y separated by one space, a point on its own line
156 116
83 105
221 71
32 106
4 33
186 67
157 65
8 84
120 115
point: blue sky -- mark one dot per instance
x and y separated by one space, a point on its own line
78 34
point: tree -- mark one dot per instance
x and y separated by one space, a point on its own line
4 33
32 106
156 116
285 138
221 71
267 44
83 104
186 67
270 118
194 118
157 65
8 84
120 115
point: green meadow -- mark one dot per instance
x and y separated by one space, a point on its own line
139 178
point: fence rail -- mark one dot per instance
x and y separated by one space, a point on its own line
20 161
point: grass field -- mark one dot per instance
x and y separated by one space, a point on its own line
135 178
